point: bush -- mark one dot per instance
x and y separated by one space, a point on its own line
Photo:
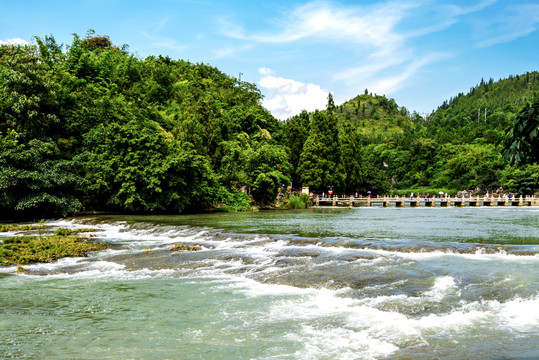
234 201
298 202
306 199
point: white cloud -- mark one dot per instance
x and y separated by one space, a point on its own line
265 71
390 84
371 75
518 21
367 25
15 41
286 97
367 33
233 51
375 46
164 42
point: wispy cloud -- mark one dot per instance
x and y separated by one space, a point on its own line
390 84
518 21
230 52
14 41
372 26
381 43
441 17
164 42
287 97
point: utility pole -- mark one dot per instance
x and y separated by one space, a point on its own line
240 76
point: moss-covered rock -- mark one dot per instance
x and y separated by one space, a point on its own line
183 247
30 249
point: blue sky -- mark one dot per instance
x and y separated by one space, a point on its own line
418 52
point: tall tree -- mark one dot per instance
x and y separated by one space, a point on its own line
320 161
297 132
350 146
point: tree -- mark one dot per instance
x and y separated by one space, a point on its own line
28 93
350 146
269 170
297 132
320 165
139 167
522 142
35 181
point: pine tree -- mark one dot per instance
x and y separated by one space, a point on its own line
320 165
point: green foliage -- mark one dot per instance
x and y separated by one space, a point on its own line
36 180
320 164
98 126
295 203
30 249
14 227
522 142
297 132
183 247
66 231
95 127
350 148
234 201
139 167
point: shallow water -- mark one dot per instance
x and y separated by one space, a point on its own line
361 283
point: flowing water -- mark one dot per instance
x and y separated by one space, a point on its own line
361 283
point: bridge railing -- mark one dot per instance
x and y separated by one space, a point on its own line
529 200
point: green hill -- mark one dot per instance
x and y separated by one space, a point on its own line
377 118
486 113
94 127
456 147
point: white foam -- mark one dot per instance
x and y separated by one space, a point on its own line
252 288
60 263
442 286
339 343
519 314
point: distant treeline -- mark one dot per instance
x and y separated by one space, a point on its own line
93 127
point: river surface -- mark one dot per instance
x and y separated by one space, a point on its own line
332 283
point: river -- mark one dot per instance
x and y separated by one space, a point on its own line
326 283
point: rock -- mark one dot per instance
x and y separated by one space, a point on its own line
183 247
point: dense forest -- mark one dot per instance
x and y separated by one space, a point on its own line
93 127
459 146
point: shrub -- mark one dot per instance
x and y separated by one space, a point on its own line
234 201
306 199
298 202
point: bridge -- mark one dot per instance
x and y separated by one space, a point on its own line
402 201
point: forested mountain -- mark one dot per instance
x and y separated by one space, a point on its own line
457 147
93 127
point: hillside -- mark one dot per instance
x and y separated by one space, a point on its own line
93 127
486 113
377 118
512 92
456 147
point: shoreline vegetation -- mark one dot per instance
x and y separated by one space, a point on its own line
93 127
